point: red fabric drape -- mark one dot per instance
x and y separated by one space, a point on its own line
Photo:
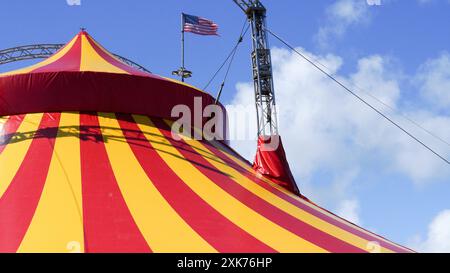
270 161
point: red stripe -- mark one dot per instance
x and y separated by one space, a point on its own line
205 25
114 61
198 28
201 26
108 224
217 230
68 62
201 29
315 212
203 21
9 129
201 33
296 226
19 202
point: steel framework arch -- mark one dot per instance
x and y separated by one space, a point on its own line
40 51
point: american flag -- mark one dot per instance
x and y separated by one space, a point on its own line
199 25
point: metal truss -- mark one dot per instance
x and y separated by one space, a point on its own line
41 51
261 68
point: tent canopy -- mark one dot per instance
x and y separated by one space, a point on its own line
89 163
84 76
82 53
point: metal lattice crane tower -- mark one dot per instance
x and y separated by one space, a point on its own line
261 68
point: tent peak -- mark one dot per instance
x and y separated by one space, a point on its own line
81 54
83 32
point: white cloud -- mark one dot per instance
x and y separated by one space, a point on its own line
435 80
438 236
339 17
349 210
326 131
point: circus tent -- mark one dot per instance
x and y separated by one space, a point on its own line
88 163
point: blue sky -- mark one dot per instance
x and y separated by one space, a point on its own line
397 51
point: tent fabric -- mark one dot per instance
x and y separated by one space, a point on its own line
84 76
89 163
82 53
271 161
105 182
95 91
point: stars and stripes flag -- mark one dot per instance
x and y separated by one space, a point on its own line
199 25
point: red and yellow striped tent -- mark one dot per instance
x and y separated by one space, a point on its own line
88 163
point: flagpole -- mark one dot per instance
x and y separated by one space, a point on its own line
182 72
182 47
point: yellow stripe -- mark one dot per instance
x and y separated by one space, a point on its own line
245 165
92 61
47 61
290 194
57 224
161 226
275 200
12 156
244 217
105 50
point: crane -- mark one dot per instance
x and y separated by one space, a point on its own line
270 157
261 68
